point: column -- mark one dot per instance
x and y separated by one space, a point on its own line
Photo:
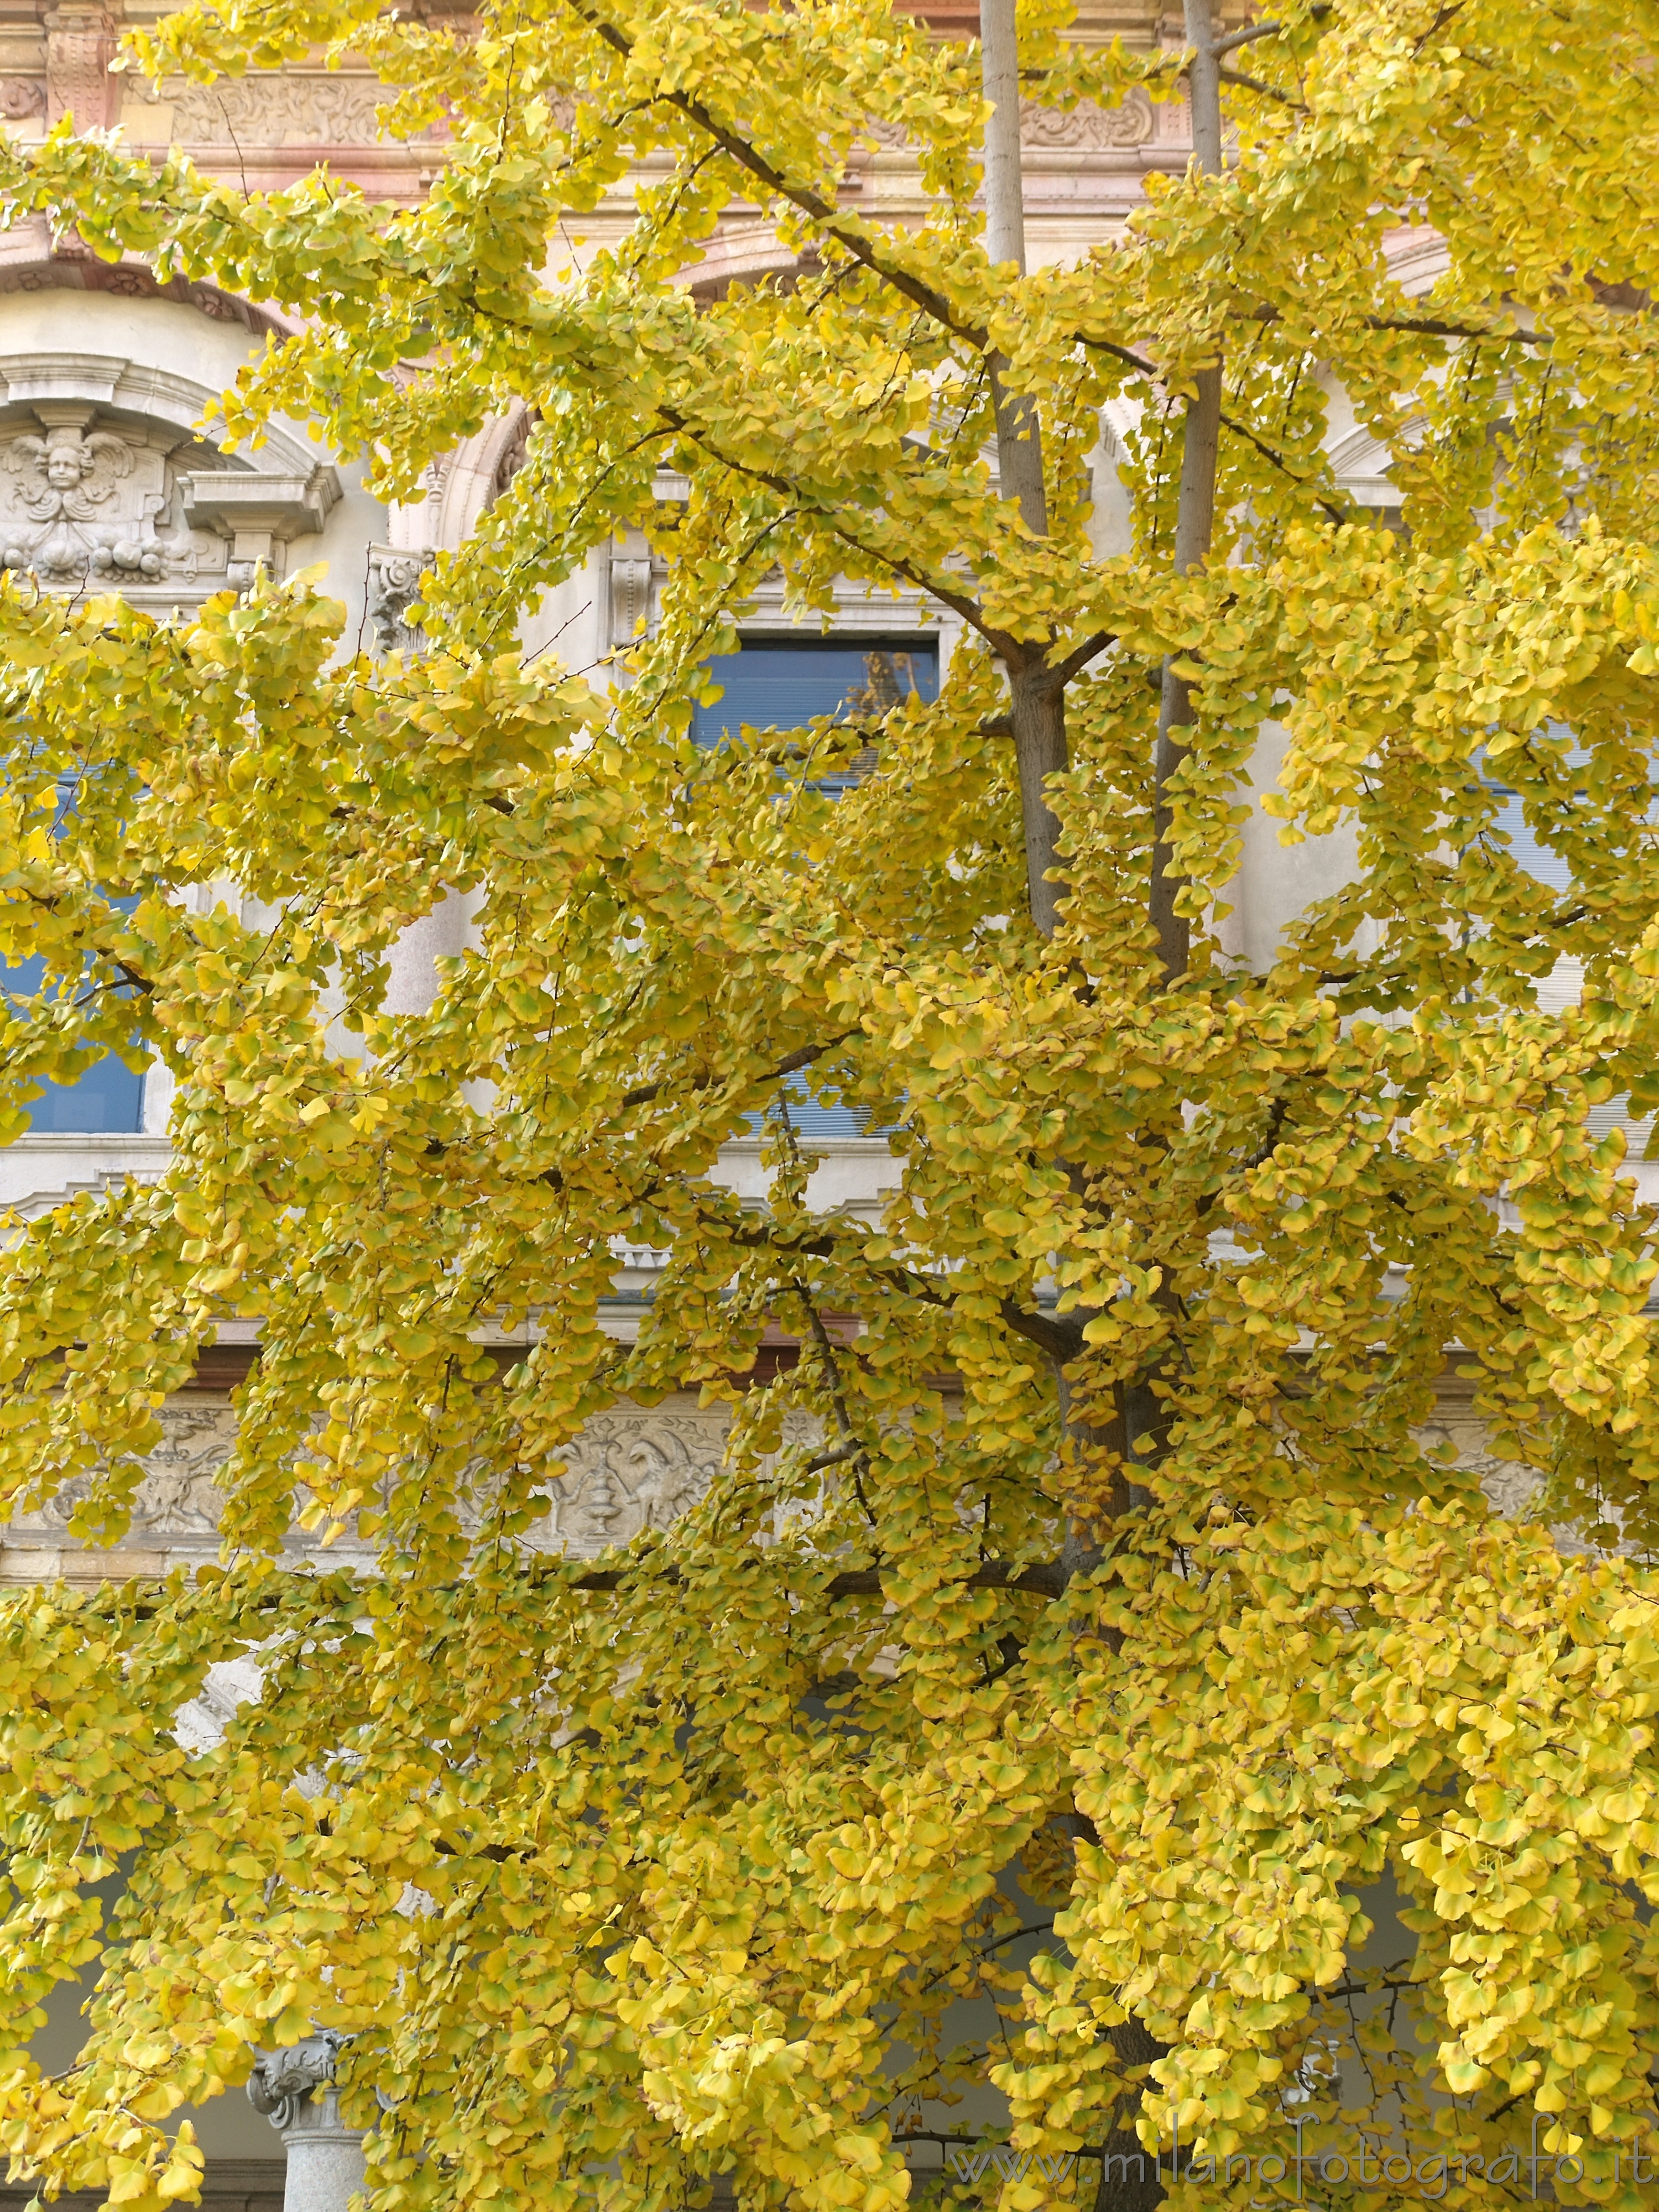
294 2089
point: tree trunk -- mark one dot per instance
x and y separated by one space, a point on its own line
1036 711
1194 520
1038 715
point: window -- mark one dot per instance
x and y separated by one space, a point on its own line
108 1100
782 684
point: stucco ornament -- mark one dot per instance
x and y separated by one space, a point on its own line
82 503
67 486
284 2082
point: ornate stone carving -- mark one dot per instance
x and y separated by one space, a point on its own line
394 586
177 1497
513 454
22 97
1510 1485
1087 128
268 108
629 1470
80 44
80 504
885 133
201 1724
1084 129
284 2082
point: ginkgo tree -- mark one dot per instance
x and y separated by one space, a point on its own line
1026 1760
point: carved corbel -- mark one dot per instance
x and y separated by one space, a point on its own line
80 44
394 586
257 513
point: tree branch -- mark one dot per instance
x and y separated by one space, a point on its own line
811 203
1047 1579
792 1064
1235 39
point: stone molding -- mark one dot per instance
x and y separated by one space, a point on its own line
229 2184
257 513
42 266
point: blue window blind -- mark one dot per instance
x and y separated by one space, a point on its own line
1539 861
781 685
108 1099
811 1120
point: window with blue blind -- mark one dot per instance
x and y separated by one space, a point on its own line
775 683
108 1099
813 1121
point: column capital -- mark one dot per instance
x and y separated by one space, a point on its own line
295 2087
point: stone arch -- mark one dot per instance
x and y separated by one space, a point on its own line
460 488
32 265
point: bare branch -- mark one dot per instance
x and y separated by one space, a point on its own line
792 1064
1044 1580
1235 39
811 203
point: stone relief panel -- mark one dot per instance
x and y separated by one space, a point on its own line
80 502
1510 1485
1084 129
22 97
178 1500
1087 128
632 1469
276 109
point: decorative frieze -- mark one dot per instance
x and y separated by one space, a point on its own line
1087 128
630 1470
276 108
178 1497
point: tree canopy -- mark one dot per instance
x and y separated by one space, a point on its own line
1117 1644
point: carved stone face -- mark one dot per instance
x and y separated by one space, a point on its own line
63 466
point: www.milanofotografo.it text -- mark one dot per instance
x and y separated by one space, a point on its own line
1369 2165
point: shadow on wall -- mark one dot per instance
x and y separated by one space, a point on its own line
243 2152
